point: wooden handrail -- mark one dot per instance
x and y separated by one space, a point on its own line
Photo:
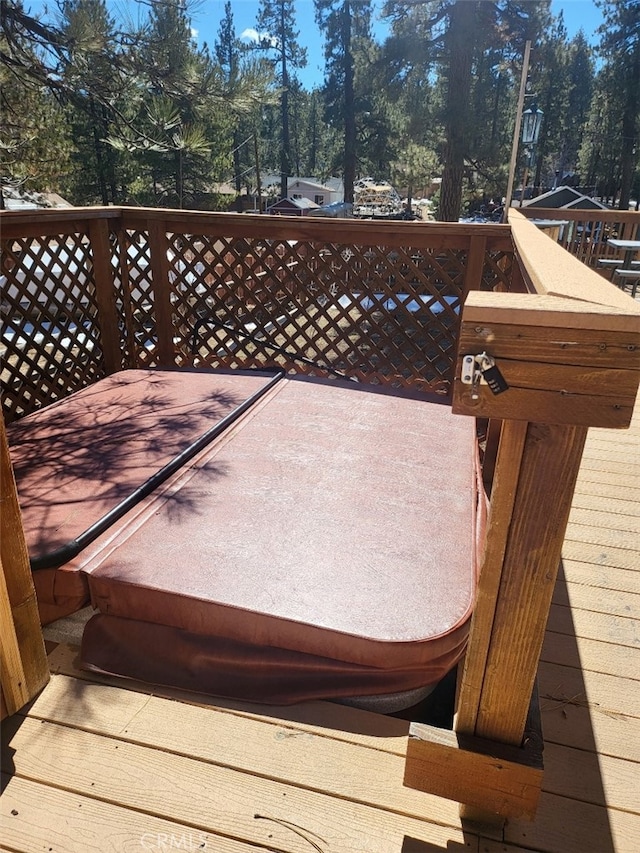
48 222
550 269
577 214
586 232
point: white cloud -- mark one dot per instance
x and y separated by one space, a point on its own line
250 35
194 33
258 38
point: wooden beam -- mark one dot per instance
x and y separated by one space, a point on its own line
493 777
475 263
554 271
158 246
548 311
559 406
564 361
504 489
105 294
550 466
15 692
25 670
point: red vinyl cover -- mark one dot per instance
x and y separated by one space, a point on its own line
78 458
335 522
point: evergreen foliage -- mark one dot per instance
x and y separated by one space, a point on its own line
106 108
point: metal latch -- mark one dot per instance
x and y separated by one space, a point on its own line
482 370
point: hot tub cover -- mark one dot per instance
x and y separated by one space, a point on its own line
77 459
333 523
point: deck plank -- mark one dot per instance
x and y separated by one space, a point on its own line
596 656
31 812
603 577
586 499
563 825
610 628
613 602
279 751
600 555
571 723
603 694
99 762
603 517
603 536
591 778
219 800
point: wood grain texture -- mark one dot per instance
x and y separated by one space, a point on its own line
105 294
221 800
33 815
24 664
554 271
483 775
549 466
486 309
282 750
553 407
504 490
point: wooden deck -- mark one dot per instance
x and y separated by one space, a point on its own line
92 765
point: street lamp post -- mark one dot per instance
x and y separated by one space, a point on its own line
531 124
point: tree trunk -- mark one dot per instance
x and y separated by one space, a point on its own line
630 126
98 150
349 107
459 43
285 156
236 162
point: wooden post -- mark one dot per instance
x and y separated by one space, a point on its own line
568 364
105 294
524 544
24 670
516 129
158 246
475 263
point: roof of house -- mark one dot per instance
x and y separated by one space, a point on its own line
564 197
332 184
20 199
300 203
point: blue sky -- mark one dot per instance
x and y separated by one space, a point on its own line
577 14
206 20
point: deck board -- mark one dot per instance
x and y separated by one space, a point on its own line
97 764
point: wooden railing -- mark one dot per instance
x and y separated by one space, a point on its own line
90 291
585 232
569 352
141 288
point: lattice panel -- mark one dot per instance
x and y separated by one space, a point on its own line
497 272
136 299
50 332
377 314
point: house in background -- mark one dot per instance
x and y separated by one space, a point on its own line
292 207
565 197
14 198
319 192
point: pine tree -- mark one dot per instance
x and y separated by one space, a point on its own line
228 49
276 19
620 49
347 30
96 86
35 144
